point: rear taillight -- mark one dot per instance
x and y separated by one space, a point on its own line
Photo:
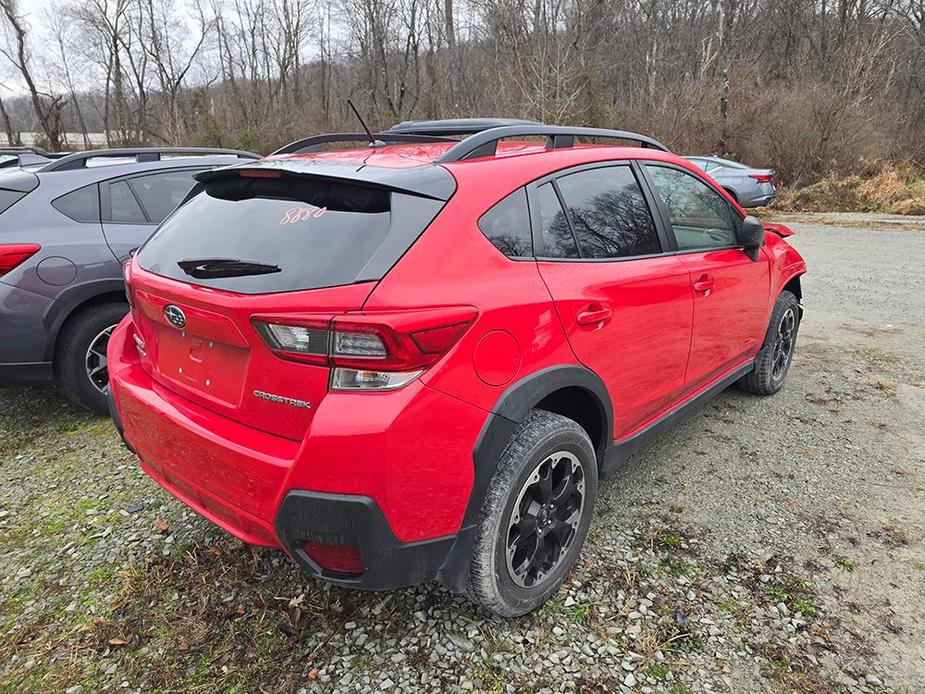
762 178
14 254
368 351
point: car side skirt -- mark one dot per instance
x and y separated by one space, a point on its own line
620 451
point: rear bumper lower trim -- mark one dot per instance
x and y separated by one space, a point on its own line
343 519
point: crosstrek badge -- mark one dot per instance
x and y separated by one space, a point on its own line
282 399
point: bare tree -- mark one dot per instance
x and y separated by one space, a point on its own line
48 107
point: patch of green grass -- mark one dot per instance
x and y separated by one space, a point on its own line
669 541
726 605
70 423
845 563
552 606
580 612
100 575
679 568
775 593
804 607
657 671
678 688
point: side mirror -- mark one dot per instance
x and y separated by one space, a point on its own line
750 235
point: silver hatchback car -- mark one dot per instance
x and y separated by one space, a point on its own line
750 187
66 225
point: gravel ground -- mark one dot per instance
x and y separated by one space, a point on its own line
766 545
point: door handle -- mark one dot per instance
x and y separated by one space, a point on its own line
704 285
593 314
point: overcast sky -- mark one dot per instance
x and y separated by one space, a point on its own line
34 11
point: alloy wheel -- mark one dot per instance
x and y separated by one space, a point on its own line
95 361
783 344
545 518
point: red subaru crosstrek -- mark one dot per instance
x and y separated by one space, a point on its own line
413 361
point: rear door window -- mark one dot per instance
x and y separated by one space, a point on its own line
263 235
609 214
160 193
124 205
558 239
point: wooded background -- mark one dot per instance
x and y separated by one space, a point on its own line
809 87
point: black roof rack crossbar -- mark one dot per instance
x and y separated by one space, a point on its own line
485 143
79 160
313 143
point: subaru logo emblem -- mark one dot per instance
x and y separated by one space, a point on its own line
175 315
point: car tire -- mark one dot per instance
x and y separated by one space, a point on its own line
81 349
774 359
546 453
732 194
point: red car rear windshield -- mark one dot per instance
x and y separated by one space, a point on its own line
265 235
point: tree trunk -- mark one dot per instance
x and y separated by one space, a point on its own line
12 137
45 115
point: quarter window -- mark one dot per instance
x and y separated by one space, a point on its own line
81 205
700 218
609 214
507 225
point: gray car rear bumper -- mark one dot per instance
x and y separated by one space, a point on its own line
23 332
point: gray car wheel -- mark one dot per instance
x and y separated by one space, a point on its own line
81 368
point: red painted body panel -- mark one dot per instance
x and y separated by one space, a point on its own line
640 352
409 450
233 456
219 359
730 310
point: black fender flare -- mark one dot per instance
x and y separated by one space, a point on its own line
509 411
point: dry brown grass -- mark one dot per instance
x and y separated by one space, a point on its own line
896 189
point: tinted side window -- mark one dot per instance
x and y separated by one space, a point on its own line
81 205
699 217
558 241
609 213
161 193
125 207
8 197
507 225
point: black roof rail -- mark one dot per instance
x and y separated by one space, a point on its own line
79 160
485 143
23 149
456 126
313 143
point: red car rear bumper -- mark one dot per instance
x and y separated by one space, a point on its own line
388 473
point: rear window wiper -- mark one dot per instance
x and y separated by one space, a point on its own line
213 268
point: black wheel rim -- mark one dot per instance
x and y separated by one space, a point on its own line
783 345
545 518
95 362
